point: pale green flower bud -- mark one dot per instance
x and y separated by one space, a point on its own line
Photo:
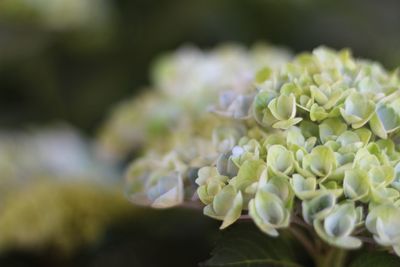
280 160
384 223
349 142
226 206
304 188
269 212
234 105
249 173
261 112
326 96
356 184
247 150
337 227
381 176
158 183
369 86
226 166
296 140
318 207
384 121
277 185
210 184
283 109
383 195
387 151
321 162
365 160
358 110
333 187
166 191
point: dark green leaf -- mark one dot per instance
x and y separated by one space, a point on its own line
376 259
245 245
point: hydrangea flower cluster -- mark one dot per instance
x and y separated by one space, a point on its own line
314 141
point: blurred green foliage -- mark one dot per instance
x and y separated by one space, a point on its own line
61 206
140 240
51 70
61 217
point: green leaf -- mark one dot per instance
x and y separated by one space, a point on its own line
375 259
244 245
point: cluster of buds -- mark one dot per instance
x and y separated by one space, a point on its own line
314 140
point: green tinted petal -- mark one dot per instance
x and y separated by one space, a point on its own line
279 159
286 124
226 206
260 104
383 222
170 192
205 174
384 121
283 107
358 110
318 113
304 188
268 212
364 160
279 186
249 173
234 212
321 161
330 129
356 184
318 207
381 175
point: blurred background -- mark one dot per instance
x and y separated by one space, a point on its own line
64 66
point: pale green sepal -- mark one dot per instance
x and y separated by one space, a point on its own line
356 184
304 188
337 227
268 212
318 207
280 160
357 110
226 206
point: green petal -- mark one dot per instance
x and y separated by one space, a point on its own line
383 222
304 188
318 207
384 121
283 107
318 113
356 184
234 212
286 124
321 161
226 206
170 192
268 212
358 110
330 129
249 173
280 160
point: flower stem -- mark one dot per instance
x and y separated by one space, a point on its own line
333 257
305 241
